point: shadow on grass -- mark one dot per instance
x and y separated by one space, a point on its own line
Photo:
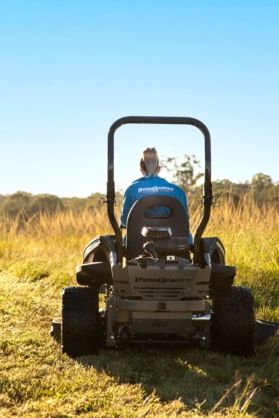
198 378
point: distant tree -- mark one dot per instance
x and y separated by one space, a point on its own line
186 173
274 194
227 190
17 204
262 187
45 203
94 201
261 182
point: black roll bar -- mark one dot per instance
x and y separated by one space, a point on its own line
207 198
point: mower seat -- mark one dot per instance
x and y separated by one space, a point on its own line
142 217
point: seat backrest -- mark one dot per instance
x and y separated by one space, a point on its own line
141 215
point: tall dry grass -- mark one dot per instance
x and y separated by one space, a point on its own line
52 245
37 259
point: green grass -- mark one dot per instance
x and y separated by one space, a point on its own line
37 260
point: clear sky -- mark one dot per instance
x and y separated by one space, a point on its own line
69 68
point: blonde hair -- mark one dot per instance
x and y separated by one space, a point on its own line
149 162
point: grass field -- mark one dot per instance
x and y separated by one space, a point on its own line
37 259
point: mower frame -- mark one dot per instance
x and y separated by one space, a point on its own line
166 298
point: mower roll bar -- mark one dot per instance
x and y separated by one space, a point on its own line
207 198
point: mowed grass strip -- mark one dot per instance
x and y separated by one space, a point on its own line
38 258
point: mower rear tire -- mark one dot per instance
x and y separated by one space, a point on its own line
80 330
233 323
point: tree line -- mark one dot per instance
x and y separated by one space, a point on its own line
186 174
26 205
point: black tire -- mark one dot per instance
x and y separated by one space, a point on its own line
80 329
233 322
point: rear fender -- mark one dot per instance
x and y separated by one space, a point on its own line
100 248
213 250
98 258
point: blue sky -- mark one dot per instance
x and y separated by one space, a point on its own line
69 68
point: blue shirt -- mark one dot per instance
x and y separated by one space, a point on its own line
150 186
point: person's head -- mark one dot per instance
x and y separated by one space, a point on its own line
149 163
